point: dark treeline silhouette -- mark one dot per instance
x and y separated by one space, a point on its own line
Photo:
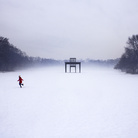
129 60
12 58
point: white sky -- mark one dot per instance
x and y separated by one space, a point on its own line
59 29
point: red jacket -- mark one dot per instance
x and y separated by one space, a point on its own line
20 80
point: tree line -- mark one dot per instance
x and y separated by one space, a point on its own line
12 58
129 59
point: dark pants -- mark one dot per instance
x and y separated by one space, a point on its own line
20 85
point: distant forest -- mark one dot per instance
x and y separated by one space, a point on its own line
129 60
12 58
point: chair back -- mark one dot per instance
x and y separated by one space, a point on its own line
72 60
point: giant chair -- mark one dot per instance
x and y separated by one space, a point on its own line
72 65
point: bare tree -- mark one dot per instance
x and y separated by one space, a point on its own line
129 60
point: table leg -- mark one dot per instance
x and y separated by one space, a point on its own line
65 68
80 67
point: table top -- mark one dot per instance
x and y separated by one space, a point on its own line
72 62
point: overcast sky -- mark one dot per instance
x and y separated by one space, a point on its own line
60 29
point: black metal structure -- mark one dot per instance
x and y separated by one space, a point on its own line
72 64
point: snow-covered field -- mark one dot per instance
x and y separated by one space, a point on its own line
97 103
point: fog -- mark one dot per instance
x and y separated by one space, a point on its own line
99 102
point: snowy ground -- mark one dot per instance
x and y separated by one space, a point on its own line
97 103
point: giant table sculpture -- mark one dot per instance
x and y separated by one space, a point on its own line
72 64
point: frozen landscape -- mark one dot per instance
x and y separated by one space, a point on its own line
97 103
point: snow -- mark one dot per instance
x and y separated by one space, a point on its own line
97 103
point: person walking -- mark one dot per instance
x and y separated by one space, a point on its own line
20 81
